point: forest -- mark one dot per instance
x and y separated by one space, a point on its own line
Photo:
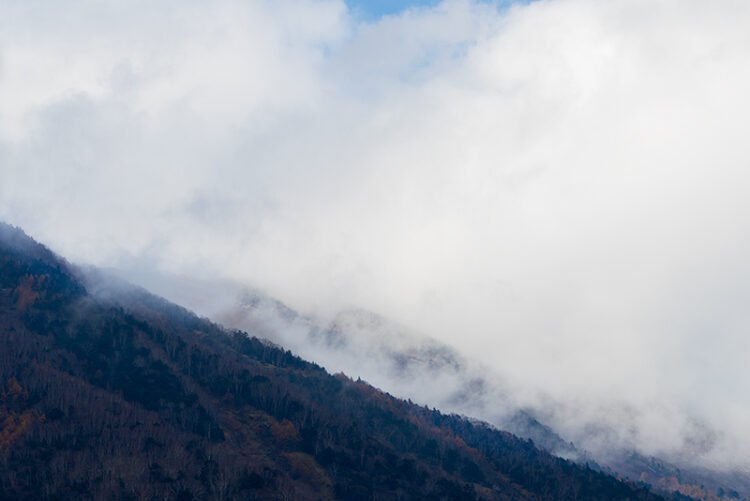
124 396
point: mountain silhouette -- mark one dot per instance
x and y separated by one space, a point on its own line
119 394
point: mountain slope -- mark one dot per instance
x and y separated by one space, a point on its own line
397 359
406 363
125 396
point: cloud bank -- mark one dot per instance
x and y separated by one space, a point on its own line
559 188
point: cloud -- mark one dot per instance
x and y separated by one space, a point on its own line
556 188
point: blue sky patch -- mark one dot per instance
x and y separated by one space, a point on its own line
374 9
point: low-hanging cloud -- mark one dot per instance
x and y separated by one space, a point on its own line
558 188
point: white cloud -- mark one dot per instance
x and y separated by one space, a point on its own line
558 188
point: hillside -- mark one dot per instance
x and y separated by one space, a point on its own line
121 395
417 367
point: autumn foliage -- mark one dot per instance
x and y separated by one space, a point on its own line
130 397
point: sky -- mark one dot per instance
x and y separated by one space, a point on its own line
557 188
374 9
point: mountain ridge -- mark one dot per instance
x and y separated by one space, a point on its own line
132 397
346 335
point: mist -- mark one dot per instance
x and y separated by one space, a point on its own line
556 189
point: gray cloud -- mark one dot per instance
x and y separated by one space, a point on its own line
558 189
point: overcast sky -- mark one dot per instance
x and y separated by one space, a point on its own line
559 188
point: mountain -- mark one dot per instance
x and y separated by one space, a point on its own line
397 359
122 395
361 344
409 364
693 481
